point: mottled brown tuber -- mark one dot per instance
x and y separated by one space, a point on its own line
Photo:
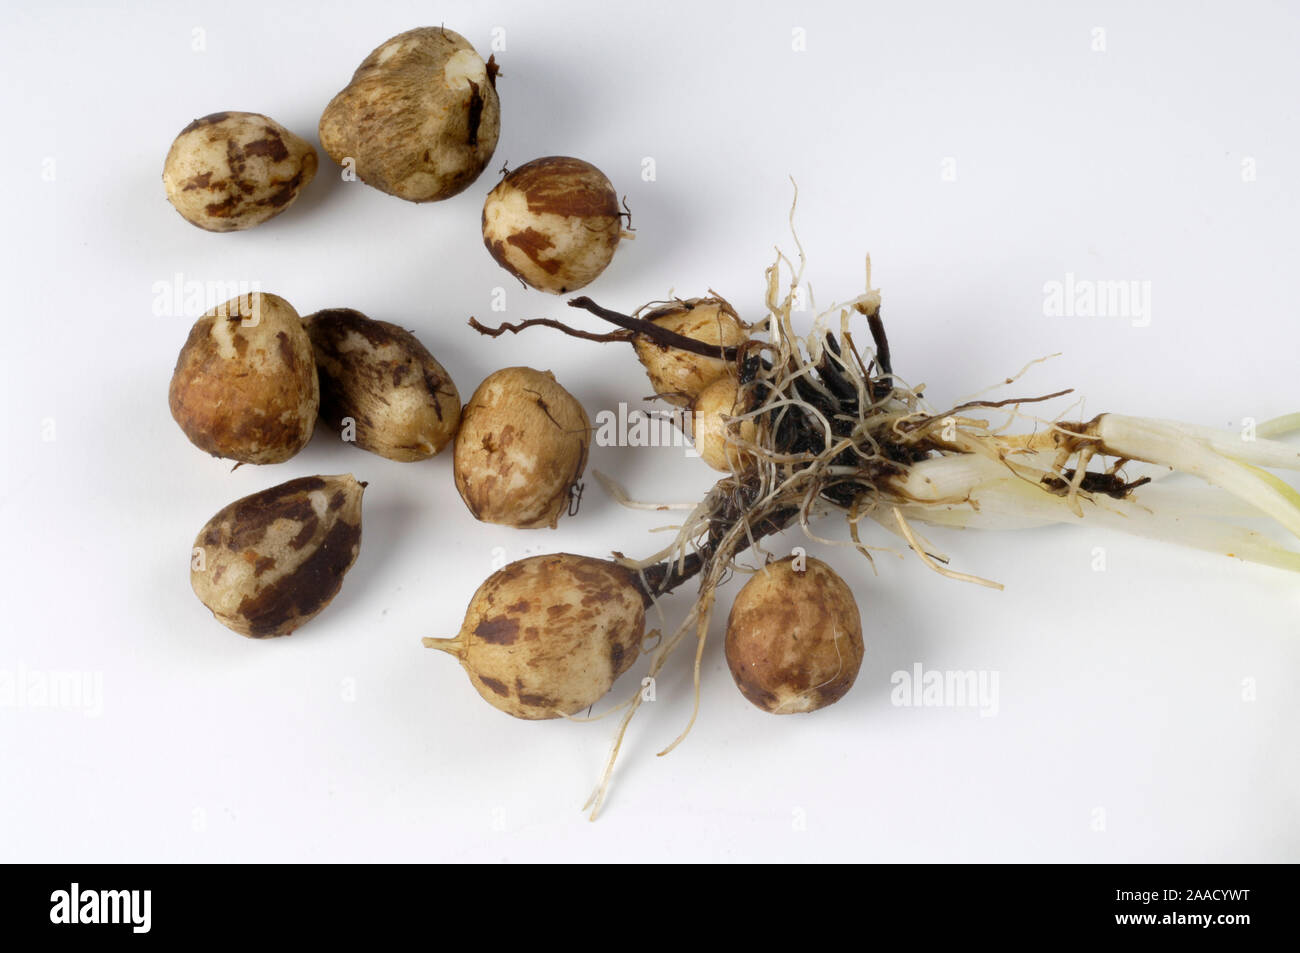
521 447
268 563
380 387
245 383
420 118
794 638
549 635
233 170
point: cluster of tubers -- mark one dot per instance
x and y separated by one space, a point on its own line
419 120
544 637
798 425
249 384
253 377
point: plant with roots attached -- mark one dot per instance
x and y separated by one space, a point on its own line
821 427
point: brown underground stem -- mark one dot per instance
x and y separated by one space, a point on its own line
654 332
500 329
664 577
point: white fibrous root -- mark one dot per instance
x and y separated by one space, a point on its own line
822 426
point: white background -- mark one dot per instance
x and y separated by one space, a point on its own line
1120 691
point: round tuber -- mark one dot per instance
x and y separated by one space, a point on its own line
553 223
233 170
521 447
713 429
679 376
245 383
794 637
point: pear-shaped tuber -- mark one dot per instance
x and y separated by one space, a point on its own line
549 635
271 561
420 118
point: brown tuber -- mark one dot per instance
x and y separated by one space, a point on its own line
233 170
420 118
549 635
714 430
553 223
794 637
245 383
380 387
268 563
521 447
678 376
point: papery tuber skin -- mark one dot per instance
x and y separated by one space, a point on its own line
232 170
420 118
521 447
679 376
553 223
245 385
549 635
270 562
380 387
794 637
